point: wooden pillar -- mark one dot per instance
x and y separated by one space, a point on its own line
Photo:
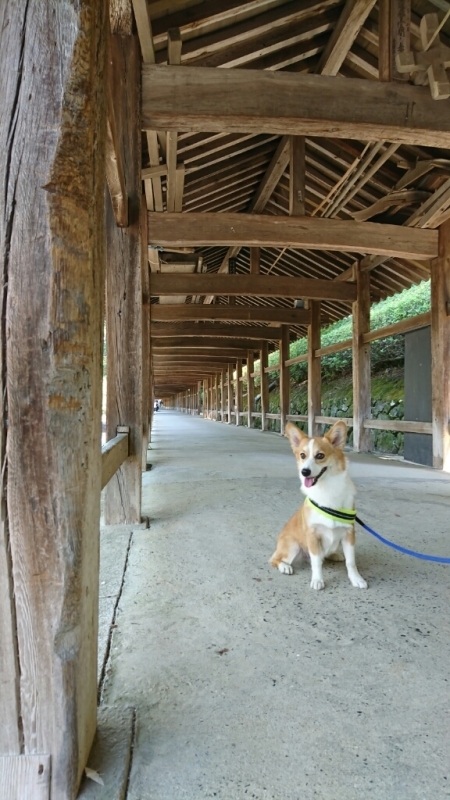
297 176
250 389
314 369
52 172
147 399
238 394
230 392
361 364
216 397
124 292
284 377
222 395
440 350
205 398
264 362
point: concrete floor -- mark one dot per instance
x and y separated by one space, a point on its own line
248 684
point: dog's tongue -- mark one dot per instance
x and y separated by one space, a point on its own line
309 482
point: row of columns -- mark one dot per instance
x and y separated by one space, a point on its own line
222 393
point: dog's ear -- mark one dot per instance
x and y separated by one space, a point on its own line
337 435
295 435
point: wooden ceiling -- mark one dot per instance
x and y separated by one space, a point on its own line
227 165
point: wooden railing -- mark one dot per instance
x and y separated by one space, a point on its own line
114 453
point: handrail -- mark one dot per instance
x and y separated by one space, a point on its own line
114 453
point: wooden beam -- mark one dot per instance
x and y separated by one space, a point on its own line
285 382
233 331
351 20
254 285
271 177
252 101
361 364
255 254
440 351
230 391
313 233
314 371
194 312
200 342
297 176
114 454
52 262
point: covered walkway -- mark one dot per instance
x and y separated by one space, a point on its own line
245 682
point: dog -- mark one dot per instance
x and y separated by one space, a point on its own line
324 479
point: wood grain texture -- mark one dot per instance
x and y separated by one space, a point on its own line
147 399
314 233
250 389
440 351
405 325
238 391
251 101
198 312
25 776
285 383
52 169
351 20
264 362
233 331
256 285
361 364
124 298
314 371
402 425
114 453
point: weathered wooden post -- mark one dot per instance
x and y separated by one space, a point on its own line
284 377
440 350
264 362
314 369
230 391
361 363
238 394
250 389
52 172
124 288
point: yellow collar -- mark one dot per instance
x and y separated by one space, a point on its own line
344 515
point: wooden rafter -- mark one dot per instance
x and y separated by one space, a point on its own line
350 22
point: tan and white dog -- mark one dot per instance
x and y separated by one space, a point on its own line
325 481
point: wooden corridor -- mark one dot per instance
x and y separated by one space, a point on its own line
186 184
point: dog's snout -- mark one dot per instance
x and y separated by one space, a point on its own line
306 472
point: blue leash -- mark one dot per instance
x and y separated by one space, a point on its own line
402 549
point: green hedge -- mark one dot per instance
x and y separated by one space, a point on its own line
384 352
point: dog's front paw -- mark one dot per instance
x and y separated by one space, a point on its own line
358 581
285 568
317 583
